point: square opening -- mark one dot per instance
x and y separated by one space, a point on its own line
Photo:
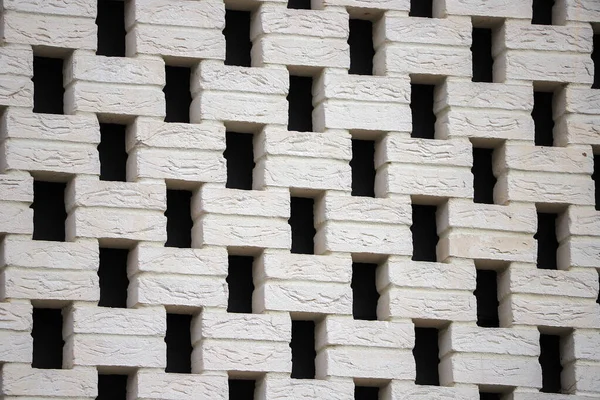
47 338
362 52
178 97
542 12
299 4
489 396
113 277
48 89
366 393
239 154
543 118
300 106
364 291
550 362
483 175
111 28
238 45
241 389
421 106
241 284
424 233
303 349
363 168
486 293
426 353
112 387
302 225
421 8
179 218
179 343
49 213
547 242
481 50
112 152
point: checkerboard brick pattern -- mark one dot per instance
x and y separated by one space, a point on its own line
544 292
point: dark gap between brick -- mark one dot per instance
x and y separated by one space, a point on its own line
49 213
47 338
113 156
426 353
113 277
424 233
179 343
486 293
177 94
241 285
179 218
237 38
111 28
364 291
361 47
547 242
303 349
48 90
300 104
421 105
302 224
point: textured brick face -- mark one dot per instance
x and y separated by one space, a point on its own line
326 199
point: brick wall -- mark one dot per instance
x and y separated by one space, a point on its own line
349 199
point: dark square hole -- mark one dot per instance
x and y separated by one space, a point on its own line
113 277
364 291
303 349
48 90
486 293
299 4
481 49
489 396
366 393
47 338
426 353
424 233
302 224
547 242
178 97
542 12
179 343
300 104
112 387
49 213
237 38
241 284
361 47
111 28
240 160
113 156
363 168
421 8
421 106
543 118
483 176
179 219
550 363
241 389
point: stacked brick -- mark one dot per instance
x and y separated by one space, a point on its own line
533 301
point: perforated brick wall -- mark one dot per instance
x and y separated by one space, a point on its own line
336 199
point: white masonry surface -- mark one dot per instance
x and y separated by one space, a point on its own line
129 90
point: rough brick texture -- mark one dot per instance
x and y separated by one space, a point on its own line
446 292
